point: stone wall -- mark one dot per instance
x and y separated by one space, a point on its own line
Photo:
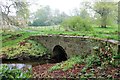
76 44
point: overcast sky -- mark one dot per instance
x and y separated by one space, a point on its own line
62 5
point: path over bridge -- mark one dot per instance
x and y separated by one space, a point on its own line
75 44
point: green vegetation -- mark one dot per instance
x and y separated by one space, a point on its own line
25 48
106 13
67 64
45 16
18 44
91 60
102 57
12 72
110 32
76 23
11 40
97 19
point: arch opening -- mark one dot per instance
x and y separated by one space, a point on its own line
59 54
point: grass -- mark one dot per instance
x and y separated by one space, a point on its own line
67 64
11 46
105 33
90 60
10 39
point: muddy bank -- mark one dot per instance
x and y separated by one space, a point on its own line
29 59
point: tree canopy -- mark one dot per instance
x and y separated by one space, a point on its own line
45 16
106 12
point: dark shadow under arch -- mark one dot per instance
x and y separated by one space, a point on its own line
59 54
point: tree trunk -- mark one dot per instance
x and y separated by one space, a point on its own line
103 26
103 21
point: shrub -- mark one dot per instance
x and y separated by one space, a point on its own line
91 60
76 23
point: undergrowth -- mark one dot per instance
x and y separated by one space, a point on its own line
25 48
67 64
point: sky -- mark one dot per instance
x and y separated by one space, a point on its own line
66 6
63 5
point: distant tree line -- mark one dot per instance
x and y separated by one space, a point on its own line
45 16
100 13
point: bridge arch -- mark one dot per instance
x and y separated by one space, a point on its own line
59 53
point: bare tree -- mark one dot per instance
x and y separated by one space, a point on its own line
6 9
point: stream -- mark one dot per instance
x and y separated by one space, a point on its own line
26 63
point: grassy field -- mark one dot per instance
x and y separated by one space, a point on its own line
97 32
105 33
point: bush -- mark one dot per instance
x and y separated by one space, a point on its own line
76 23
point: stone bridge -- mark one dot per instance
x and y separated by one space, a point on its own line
75 45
